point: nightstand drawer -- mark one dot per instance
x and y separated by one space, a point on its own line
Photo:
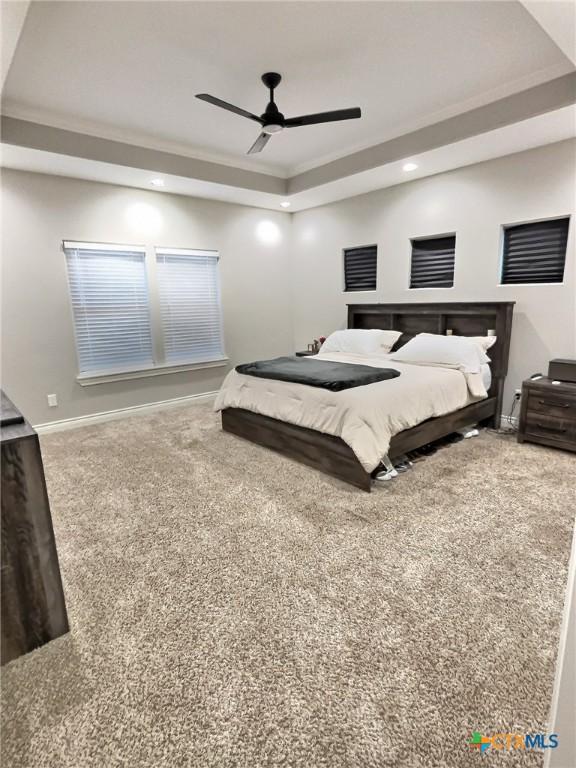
559 404
543 425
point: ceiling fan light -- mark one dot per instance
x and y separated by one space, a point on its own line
272 128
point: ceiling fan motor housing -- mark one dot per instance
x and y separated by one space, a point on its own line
273 119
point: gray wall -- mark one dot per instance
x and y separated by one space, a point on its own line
38 350
474 202
277 296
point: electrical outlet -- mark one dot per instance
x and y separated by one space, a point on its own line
517 394
52 401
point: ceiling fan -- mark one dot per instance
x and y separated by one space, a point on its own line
273 121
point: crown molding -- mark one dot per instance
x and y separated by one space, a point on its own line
532 102
64 142
495 94
19 111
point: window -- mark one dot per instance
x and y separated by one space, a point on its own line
136 313
433 262
535 252
109 295
190 305
360 268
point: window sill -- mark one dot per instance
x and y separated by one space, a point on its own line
529 285
89 379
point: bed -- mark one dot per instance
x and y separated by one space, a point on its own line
346 451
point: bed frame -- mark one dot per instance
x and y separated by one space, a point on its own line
331 454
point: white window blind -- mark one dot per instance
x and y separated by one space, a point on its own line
109 293
189 288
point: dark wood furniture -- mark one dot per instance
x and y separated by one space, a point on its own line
33 607
562 369
548 413
331 454
305 353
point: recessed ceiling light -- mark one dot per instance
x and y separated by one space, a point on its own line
409 167
157 182
285 204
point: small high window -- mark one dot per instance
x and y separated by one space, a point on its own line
360 268
535 252
433 262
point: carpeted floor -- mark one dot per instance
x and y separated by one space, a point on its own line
233 609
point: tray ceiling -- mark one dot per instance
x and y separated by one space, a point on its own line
129 70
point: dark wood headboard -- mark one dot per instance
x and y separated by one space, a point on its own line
462 318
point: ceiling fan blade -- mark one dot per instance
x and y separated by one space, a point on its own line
259 144
225 105
324 117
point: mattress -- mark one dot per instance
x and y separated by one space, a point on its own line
365 418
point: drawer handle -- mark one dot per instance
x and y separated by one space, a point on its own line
550 429
554 405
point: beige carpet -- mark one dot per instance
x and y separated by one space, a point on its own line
233 609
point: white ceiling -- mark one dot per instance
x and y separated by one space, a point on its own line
12 18
129 70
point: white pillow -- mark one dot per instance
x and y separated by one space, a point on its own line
485 342
451 351
361 342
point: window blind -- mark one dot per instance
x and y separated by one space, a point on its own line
360 268
433 262
535 252
189 287
109 295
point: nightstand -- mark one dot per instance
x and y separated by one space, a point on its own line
548 414
305 353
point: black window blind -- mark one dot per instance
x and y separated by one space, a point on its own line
535 252
360 268
433 262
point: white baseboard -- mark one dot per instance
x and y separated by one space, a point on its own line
121 413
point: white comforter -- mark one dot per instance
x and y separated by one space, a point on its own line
367 417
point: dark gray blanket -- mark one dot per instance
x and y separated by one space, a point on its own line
317 373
